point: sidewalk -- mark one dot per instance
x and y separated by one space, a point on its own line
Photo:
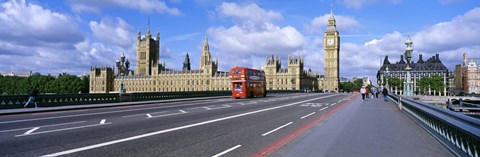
74 107
370 128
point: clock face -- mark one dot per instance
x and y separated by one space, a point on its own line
330 41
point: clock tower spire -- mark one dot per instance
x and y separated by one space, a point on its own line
331 49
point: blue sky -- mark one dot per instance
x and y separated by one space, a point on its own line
72 35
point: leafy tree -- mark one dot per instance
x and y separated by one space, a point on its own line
65 83
346 86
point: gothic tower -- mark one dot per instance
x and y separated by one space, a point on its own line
331 45
186 63
148 53
295 68
206 58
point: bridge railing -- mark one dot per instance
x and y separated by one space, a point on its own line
50 100
461 131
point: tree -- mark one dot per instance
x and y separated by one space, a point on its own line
346 86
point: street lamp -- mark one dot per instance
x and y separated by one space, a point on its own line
386 78
122 65
313 86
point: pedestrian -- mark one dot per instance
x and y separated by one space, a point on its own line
385 94
363 91
375 92
32 96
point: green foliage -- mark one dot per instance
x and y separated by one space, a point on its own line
435 83
346 86
357 84
13 85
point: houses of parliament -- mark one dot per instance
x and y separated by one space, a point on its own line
151 75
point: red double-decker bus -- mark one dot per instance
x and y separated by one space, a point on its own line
247 83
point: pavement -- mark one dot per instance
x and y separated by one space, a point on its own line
87 106
366 128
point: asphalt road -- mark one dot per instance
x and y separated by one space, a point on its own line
217 127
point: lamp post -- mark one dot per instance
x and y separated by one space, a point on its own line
408 55
122 65
313 86
386 78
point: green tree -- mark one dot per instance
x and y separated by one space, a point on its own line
346 86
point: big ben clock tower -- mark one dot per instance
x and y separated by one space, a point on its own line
331 46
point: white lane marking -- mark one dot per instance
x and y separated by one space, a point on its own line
174 129
79 127
182 111
149 115
265 134
31 130
323 108
207 108
333 104
308 115
226 151
143 114
339 101
98 113
42 126
165 115
103 121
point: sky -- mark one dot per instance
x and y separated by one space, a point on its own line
70 36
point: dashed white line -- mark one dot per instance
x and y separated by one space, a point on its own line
265 134
42 126
226 151
103 121
182 111
333 104
175 129
307 115
165 115
31 130
86 126
149 115
323 108
143 114
207 108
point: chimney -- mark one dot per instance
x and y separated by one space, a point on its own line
420 59
437 57
385 61
401 60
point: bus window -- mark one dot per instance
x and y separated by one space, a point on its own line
237 86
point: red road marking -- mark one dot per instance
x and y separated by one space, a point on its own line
278 144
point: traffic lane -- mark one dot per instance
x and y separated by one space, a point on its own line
66 117
102 111
128 127
188 141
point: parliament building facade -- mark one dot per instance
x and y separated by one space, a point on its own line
151 75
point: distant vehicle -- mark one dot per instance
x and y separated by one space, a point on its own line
248 83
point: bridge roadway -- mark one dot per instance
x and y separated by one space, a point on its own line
301 124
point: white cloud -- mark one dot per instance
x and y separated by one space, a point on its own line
461 31
449 39
344 24
31 25
250 13
142 5
115 32
253 37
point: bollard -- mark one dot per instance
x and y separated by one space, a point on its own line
400 103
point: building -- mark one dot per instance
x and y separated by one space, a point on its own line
365 80
294 77
152 76
331 45
471 75
456 81
433 66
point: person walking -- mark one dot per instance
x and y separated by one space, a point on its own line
375 92
32 95
385 94
363 90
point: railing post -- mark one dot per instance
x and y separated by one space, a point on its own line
400 103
